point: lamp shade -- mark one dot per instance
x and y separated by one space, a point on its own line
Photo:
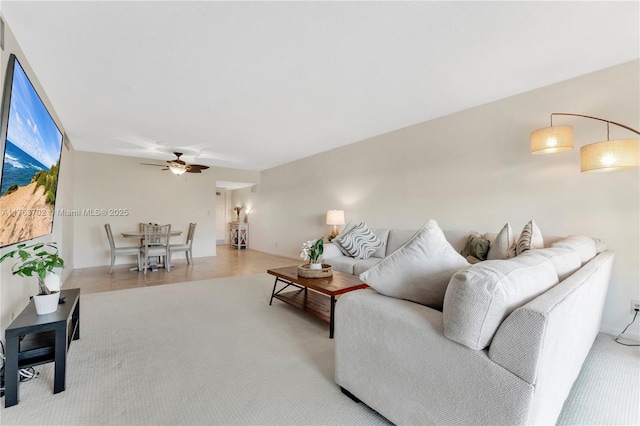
335 217
552 139
610 156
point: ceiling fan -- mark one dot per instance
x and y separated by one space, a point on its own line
179 167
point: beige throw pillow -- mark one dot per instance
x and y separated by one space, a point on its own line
504 245
418 271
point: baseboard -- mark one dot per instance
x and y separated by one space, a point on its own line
628 335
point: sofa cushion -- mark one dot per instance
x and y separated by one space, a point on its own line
361 242
398 238
585 247
503 246
457 238
365 264
342 263
383 236
480 297
530 238
419 270
566 261
600 245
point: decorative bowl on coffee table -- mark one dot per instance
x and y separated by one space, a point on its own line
306 272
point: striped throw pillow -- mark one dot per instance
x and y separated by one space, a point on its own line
530 238
360 243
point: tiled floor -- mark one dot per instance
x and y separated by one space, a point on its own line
228 262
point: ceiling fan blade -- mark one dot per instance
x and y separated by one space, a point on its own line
197 167
178 163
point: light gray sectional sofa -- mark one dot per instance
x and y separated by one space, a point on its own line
504 346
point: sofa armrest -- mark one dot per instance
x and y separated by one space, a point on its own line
546 341
392 354
331 250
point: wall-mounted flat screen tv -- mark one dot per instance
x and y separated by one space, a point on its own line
32 145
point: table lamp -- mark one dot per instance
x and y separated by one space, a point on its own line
335 218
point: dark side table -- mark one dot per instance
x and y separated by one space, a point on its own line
34 339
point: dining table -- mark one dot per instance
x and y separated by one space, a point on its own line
140 236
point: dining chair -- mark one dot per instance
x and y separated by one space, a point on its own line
186 247
156 244
120 251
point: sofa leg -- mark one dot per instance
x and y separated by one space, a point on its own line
349 394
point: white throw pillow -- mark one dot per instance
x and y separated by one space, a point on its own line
504 245
418 271
530 238
360 242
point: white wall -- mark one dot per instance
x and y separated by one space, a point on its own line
148 194
137 193
14 290
472 171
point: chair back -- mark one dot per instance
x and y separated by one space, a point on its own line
190 233
156 235
107 227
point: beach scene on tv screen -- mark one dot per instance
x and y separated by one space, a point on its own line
30 165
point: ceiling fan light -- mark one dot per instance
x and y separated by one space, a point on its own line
176 169
551 140
610 156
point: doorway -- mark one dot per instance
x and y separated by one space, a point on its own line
221 217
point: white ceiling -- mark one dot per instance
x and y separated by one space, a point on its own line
253 85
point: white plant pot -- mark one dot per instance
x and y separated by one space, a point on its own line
46 303
315 266
52 281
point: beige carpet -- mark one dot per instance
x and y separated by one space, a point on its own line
215 352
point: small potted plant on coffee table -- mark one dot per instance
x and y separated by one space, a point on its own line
312 250
38 259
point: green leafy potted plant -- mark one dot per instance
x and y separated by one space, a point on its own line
312 250
37 259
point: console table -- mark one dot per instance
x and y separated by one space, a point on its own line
34 339
239 235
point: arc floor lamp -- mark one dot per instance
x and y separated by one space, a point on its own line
605 156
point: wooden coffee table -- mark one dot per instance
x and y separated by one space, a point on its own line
319 302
